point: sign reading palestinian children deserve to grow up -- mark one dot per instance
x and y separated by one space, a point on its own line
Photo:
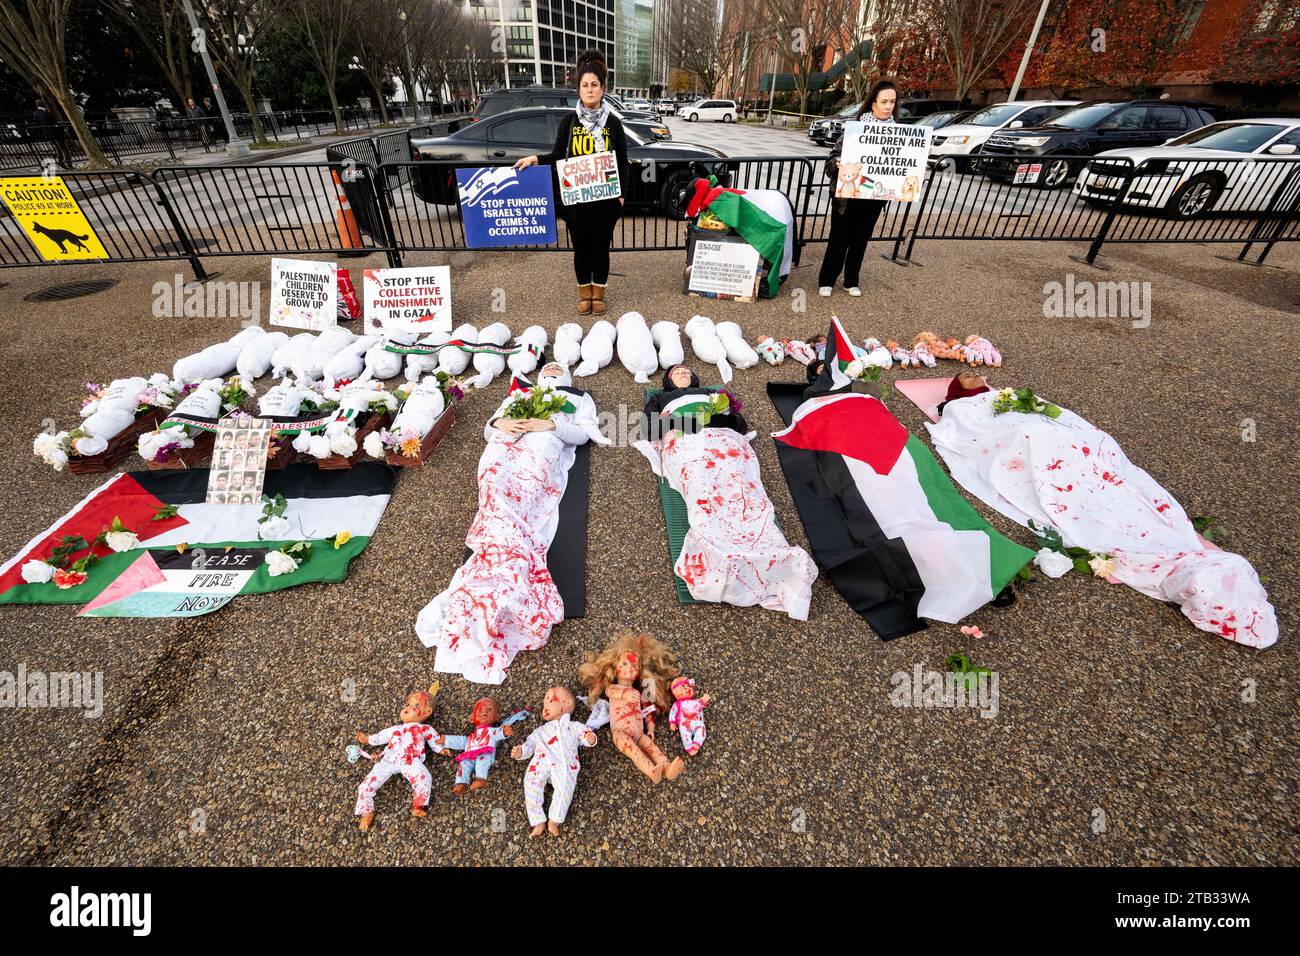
501 206
304 295
416 299
882 161
588 178
724 270
50 218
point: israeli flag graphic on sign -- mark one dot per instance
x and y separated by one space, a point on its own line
502 206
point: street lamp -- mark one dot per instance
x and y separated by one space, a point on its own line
236 148
410 70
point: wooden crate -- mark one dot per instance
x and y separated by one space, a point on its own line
284 455
119 446
187 457
436 434
375 422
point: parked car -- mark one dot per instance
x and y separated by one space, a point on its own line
509 136
1086 130
498 101
1198 173
666 107
644 106
908 110
828 130
959 141
944 119
724 110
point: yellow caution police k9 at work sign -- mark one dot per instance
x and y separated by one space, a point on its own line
50 218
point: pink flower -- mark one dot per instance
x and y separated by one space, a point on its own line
972 631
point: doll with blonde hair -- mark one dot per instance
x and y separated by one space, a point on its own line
635 672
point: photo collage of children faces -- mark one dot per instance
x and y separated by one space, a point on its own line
239 461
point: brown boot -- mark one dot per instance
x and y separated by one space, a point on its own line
597 299
584 299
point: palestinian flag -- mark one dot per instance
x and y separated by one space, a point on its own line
688 406
885 523
839 353
753 224
198 559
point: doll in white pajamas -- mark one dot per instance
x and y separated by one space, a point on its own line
403 753
552 754
687 714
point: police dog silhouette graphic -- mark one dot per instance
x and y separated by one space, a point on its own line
61 237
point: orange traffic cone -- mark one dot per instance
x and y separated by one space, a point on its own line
346 221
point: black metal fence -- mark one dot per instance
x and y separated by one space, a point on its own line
353 206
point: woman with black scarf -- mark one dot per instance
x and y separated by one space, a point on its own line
592 128
679 381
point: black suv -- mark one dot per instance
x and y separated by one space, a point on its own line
1086 130
648 124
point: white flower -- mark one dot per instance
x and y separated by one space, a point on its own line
319 446
374 445
1007 393
273 528
1053 563
122 540
160 381
37 572
279 563
1103 565
302 442
49 448
854 369
90 445
164 399
389 401
151 443
343 444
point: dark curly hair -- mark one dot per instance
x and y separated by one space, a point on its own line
591 61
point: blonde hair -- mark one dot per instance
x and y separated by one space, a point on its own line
658 667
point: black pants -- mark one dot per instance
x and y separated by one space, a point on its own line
847 243
591 231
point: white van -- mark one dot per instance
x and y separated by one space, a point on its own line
724 110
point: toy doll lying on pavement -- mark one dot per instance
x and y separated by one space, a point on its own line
404 745
687 714
480 747
634 672
552 754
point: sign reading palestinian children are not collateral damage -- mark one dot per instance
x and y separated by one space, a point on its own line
501 206
588 178
723 269
416 299
49 216
304 295
882 161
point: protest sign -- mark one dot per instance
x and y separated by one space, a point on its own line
882 161
416 299
723 268
588 178
304 294
502 206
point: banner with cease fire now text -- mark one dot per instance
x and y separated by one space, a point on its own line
50 218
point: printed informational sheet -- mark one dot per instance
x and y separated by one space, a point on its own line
724 269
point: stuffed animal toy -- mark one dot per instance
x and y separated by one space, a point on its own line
568 344
707 345
940 349
525 360
597 348
668 340
686 716
988 354
404 745
902 356
877 356
739 352
770 350
479 748
255 358
636 346
552 754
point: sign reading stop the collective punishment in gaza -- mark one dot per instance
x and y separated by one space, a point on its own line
416 299
882 161
588 178
50 218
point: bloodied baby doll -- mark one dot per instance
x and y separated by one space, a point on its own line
687 714
552 754
403 753
479 748
634 673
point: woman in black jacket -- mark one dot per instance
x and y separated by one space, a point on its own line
853 220
592 128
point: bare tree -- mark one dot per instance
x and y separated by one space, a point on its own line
974 35
232 29
806 28
164 31
32 44
702 45
377 45
326 25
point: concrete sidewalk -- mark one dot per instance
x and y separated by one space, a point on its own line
1124 735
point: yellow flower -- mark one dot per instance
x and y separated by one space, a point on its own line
342 538
411 447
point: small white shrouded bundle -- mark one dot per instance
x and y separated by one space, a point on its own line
113 412
487 365
203 402
568 344
668 340
525 361
770 350
451 360
215 361
739 352
283 358
383 364
707 345
247 336
597 348
255 357
421 409
348 362
636 347
282 399
417 366
311 363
